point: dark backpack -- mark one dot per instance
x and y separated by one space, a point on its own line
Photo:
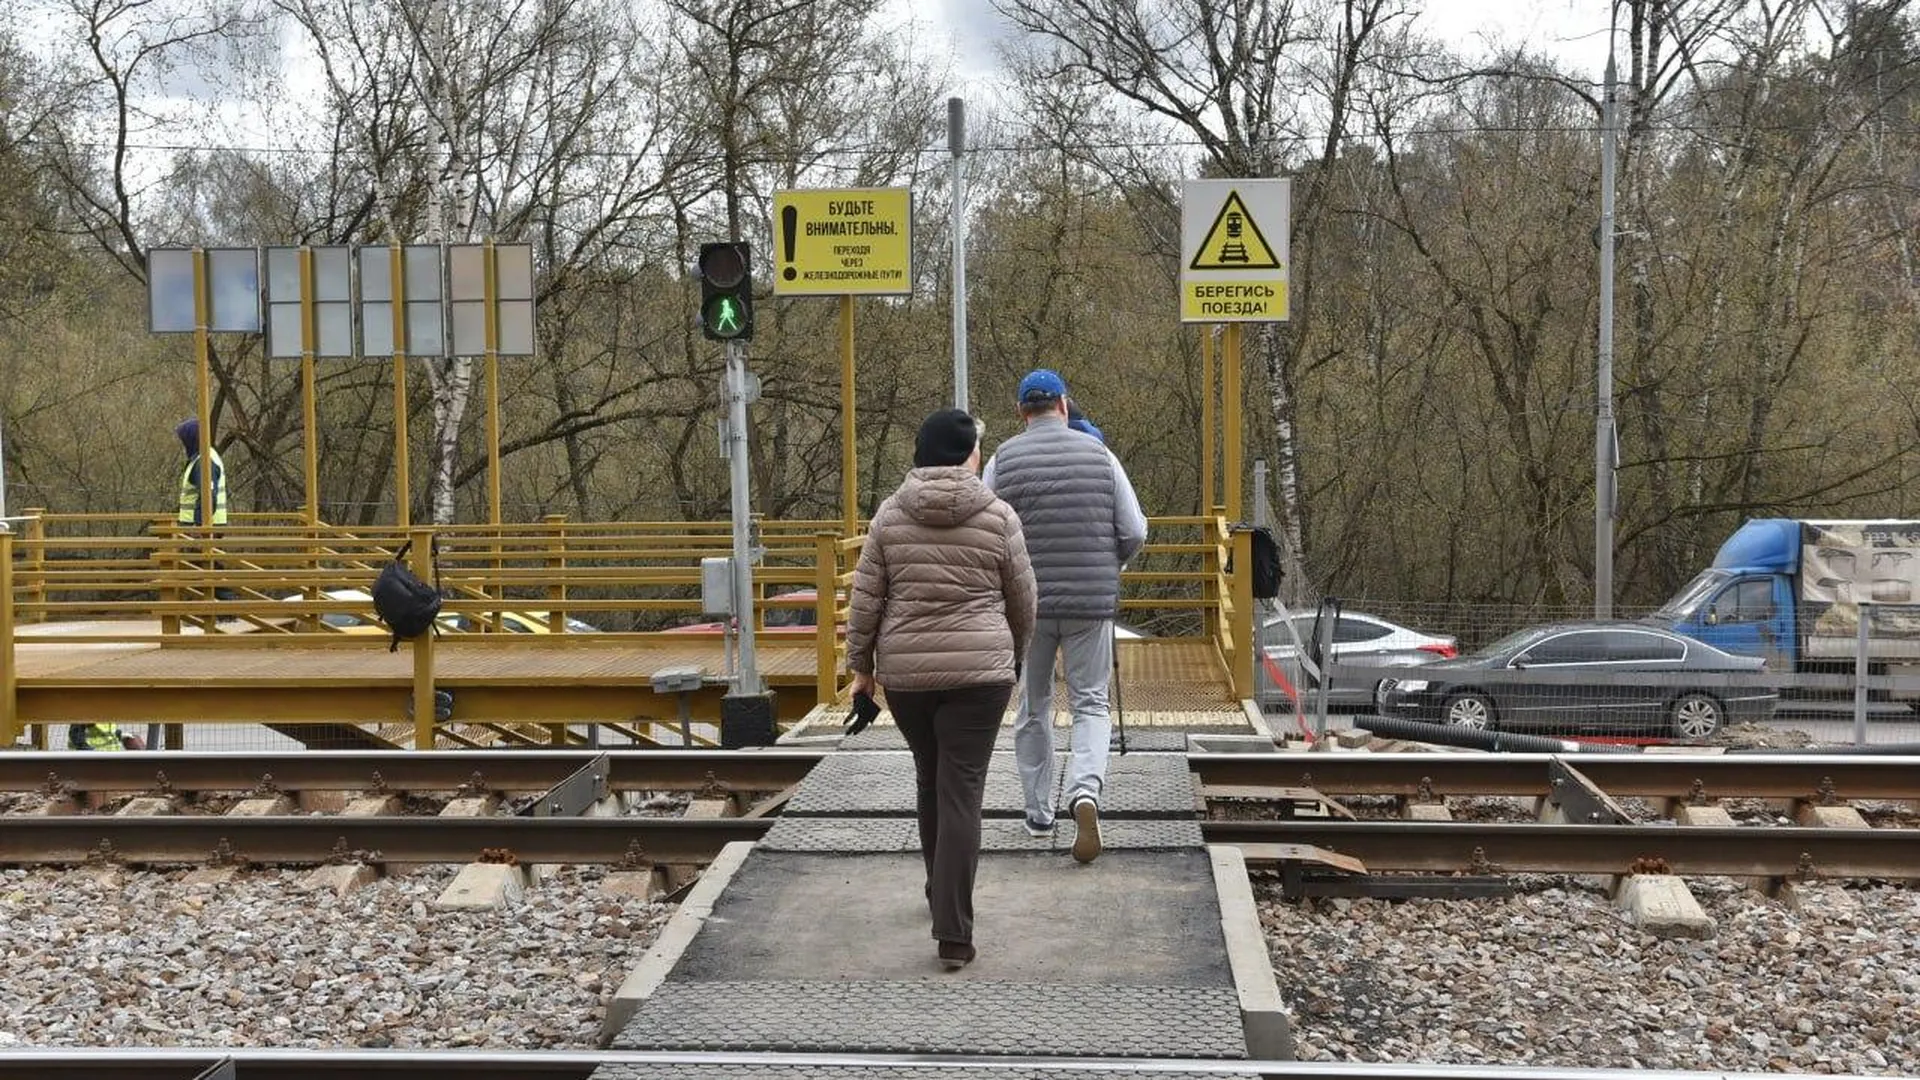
1266 564
406 604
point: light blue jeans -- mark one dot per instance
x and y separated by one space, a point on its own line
1087 648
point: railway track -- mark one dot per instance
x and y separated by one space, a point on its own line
1604 842
163 1064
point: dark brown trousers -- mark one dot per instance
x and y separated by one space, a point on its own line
951 734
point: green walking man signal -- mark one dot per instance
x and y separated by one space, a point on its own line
726 291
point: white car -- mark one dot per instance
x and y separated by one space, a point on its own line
1358 638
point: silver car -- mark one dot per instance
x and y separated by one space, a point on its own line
1358 638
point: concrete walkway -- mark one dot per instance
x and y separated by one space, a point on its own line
816 940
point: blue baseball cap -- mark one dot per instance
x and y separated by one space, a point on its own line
1042 385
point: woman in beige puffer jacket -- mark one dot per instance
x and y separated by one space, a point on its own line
942 611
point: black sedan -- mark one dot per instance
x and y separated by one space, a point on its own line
1612 676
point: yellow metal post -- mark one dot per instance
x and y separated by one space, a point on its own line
1240 660
557 597
826 634
421 562
557 563
1231 375
849 451
309 410
166 558
9 680
310 423
36 564
490 320
203 361
1207 420
402 496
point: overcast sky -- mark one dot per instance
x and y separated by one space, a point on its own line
1572 30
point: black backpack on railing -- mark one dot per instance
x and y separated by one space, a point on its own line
1266 564
406 604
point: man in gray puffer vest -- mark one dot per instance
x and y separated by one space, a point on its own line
1082 522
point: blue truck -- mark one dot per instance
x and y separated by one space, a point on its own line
1791 590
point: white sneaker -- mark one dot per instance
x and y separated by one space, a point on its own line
1034 828
1086 820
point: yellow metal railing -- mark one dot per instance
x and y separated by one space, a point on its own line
273 579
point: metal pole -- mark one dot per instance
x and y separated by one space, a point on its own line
849 427
1603 465
1231 456
957 146
309 409
1208 388
749 675
402 469
3 474
1860 676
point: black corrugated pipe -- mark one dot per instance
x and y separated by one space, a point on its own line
1474 738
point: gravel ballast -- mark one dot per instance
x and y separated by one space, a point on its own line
126 958
1556 976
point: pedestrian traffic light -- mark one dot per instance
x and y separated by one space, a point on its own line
726 291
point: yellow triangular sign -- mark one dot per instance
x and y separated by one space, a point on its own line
1234 241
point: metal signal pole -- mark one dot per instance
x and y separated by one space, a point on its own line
957 145
749 673
1605 495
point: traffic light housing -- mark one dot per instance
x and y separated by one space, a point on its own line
726 291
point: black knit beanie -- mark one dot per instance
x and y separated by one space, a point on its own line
946 438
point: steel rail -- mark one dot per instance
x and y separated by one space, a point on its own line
330 1064
80 838
1781 776
388 770
1480 848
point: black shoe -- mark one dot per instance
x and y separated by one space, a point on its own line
955 955
1086 820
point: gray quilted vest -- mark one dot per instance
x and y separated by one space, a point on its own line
1060 482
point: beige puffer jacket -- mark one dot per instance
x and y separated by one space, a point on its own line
943 595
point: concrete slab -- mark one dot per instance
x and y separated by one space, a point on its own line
1162 905
483 887
1662 905
1263 1014
343 880
374 806
681 929
633 884
1709 817
210 875
275 806
146 806
471 806
324 802
1830 817
1426 811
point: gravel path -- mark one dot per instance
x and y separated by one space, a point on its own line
119 958
1556 976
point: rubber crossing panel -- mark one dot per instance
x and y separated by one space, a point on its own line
932 1017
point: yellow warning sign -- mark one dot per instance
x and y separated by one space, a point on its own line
1233 251
842 241
1234 241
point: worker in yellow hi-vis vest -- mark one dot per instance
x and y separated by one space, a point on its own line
189 432
101 737
190 508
